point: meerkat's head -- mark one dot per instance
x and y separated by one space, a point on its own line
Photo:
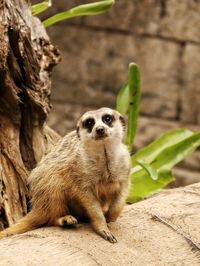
101 125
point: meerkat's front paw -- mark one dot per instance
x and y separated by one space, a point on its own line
107 235
66 220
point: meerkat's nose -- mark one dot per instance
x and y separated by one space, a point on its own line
100 131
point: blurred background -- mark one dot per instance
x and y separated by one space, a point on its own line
161 36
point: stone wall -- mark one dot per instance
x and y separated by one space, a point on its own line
161 36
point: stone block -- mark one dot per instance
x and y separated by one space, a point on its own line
128 16
190 91
64 117
169 19
179 20
95 65
184 177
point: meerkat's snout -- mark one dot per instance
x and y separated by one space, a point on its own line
103 126
100 132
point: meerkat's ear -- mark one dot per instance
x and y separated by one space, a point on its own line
123 121
77 130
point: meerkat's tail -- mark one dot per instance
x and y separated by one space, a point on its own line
31 221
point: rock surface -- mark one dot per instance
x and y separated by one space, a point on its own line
162 230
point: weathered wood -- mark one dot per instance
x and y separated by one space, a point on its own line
162 230
26 61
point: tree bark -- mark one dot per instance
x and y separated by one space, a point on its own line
26 61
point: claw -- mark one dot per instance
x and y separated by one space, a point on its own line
107 235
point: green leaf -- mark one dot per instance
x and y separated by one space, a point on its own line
123 99
82 10
143 185
176 153
149 153
149 169
134 103
141 180
128 101
39 8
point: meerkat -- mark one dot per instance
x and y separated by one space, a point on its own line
84 177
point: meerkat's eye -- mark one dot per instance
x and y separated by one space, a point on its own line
107 119
88 123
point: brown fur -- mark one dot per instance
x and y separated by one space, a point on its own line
80 179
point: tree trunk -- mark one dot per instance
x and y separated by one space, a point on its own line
26 61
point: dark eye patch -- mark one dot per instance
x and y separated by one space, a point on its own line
108 119
88 124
